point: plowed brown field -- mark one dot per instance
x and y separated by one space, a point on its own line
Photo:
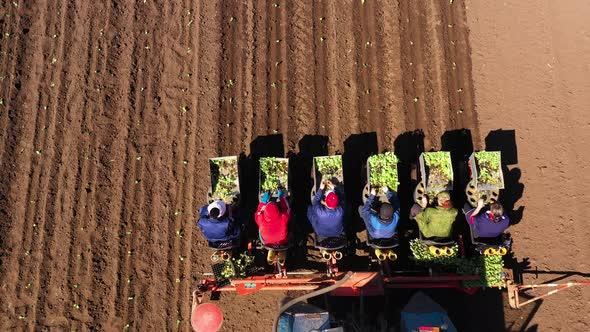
110 109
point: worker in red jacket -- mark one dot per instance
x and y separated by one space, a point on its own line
272 220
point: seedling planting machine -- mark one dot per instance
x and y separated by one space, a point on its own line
328 170
437 263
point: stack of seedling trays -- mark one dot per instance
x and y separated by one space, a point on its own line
486 177
225 184
436 171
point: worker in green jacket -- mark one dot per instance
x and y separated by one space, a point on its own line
436 221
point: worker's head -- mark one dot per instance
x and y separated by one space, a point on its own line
331 200
385 212
271 211
216 209
497 211
443 199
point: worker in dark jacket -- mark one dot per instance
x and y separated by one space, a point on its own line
381 225
489 222
216 223
327 217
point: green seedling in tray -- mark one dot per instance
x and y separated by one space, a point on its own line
490 268
224 178
274 173
329 167
440 169
489 168
383 171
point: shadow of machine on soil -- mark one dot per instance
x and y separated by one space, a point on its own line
407 147
505 141
357 148
482 311
460 144
300 164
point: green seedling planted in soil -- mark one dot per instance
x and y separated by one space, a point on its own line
440 169
489 167
274 173
383 171
329 167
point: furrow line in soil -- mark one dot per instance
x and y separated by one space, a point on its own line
435 52
371 80
79 229
260 78
133 182
272 83
231 79
86 210
285 84
187 194
36 270
53 272
468 118
17 161
332 118
448 36
299 53
135 294
159 111
184 195
346 71
131 282
181 165
407 71
115 132
149 238
361 65
417 43
205 142
172 158
244 123
390 75
10 24
319 37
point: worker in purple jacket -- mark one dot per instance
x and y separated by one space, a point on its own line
217 223
327 216
487 222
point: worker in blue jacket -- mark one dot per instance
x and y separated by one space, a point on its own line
327 216
217 223
381 225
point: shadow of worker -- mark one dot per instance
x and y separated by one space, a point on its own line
261 146
505 142
357 148
300 165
